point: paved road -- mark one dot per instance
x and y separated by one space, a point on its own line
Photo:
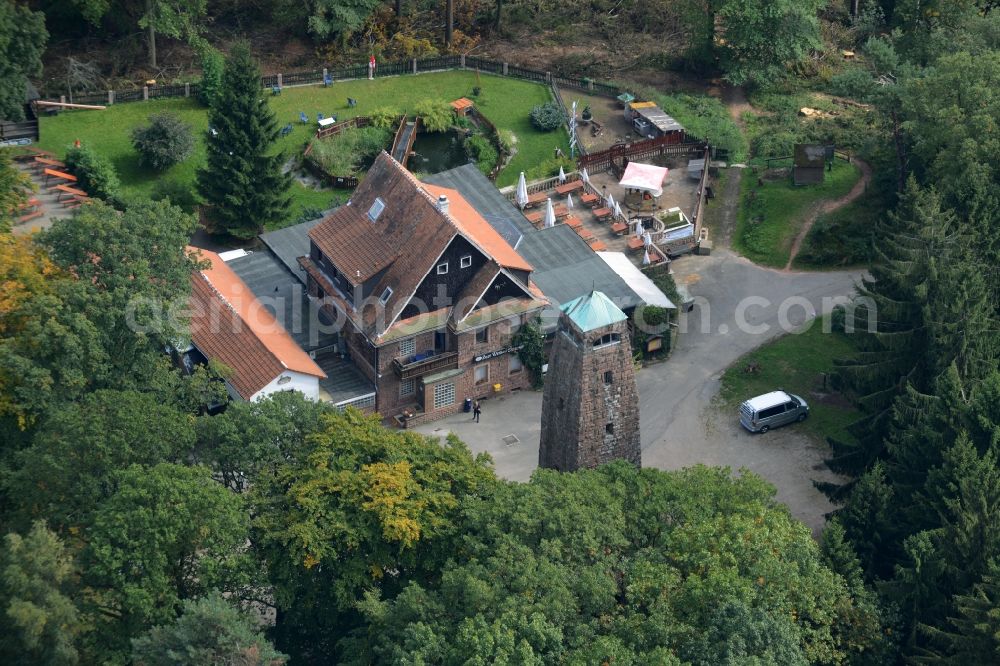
680 425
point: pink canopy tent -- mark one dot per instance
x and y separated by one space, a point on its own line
645 177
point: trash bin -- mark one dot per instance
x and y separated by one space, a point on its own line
467 407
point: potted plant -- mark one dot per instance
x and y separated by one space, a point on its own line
587 115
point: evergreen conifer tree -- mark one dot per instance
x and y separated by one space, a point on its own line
242 182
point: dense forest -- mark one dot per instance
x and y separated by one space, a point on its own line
138 528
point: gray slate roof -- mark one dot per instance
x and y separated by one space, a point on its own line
290 243
566 268
486 199
281 293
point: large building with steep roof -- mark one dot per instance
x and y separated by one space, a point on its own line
427 292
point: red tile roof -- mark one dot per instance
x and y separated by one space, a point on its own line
474 227
229 325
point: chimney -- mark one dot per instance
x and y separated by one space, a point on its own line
442 204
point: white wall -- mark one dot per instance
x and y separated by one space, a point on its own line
308 385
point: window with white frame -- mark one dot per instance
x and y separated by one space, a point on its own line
607 339
444 395
442 268
407 348
482 374
466 261
515 363
407 387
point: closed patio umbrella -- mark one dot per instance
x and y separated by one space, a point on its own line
611 202
584 176
618 210
550 214
521 195
562 175
645 257
569 202
647 239
638 229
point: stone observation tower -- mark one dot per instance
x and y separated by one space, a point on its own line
590 408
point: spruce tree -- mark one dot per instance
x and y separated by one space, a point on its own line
242 182
973 634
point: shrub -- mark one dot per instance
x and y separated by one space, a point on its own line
95 174
179 193
436 114
547 117
384 117
347 153
163 143
480 149
550 168
212 64
507 140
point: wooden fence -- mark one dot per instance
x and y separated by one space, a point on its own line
671 144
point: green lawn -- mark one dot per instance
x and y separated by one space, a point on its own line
795 362
506 102
771 215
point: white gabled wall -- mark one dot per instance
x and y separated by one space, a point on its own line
308 385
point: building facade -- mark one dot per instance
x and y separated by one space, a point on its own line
426 294
590 408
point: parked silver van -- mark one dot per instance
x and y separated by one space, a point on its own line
771 410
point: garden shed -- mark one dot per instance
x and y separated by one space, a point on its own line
808 166
651 121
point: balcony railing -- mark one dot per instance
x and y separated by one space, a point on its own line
418 366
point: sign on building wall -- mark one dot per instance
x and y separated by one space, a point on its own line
493 354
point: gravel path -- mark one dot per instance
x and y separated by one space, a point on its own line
829 206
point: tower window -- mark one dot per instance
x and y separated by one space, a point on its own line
607 339
609 429
609 377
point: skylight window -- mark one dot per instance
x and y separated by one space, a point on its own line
377 207
384 298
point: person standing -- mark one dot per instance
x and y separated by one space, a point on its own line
371 67
476 411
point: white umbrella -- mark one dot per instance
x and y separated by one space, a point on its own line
638 229
522 192
647 239
611 202
550 214
584 176
618 210
562 175
645 257
569 202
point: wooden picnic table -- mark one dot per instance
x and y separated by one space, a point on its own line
573 222
539 215
603 213
584 234
66 189
52 173
535 199
636 243
566 188
619 228
589 199
598 246
42 162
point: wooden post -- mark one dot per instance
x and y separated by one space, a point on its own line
548 77
187 89
145 93
461 60
111 97
62 99
324 75
505 69
279 80
590 85
414 65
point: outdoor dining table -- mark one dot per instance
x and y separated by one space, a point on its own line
573 222
602 213
584 234
589 199
635 243
326 122
619 228
566 188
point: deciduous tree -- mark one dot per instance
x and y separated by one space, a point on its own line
22 42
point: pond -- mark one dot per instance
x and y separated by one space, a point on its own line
434 152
